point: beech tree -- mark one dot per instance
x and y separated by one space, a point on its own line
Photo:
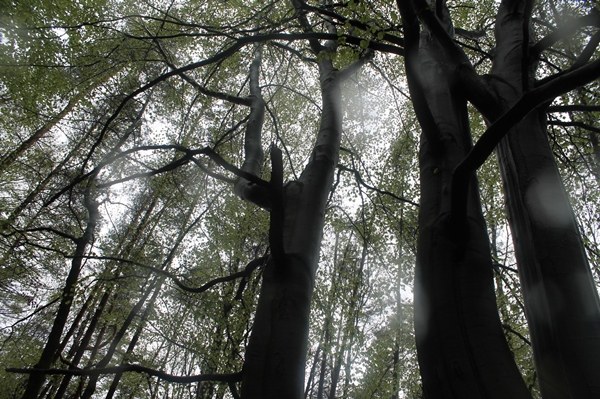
540 225
258 199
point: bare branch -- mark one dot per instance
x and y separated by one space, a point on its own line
492 136
511 330
250 267
567 29
577 124
353 22
51 230
36 311
135 368
573 108
360 180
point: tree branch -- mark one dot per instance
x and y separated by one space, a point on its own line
518 334
233 169
250 267
577 124
51 230
227 52
360 180
253 152
168 167
566 30
136 368
587 53
573 108
353 22
492 136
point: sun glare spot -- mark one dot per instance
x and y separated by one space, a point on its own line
545 194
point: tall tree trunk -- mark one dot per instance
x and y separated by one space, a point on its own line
77 351
276 354
134 340
561 301
348 327
116 340
461 348
83 345
12 156
50 352
275 359
398 317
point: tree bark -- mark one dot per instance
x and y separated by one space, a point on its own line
461 348
276 354
561 301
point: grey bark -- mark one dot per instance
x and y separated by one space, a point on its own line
561 301
460 344
276 354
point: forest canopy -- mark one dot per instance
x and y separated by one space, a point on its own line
299 199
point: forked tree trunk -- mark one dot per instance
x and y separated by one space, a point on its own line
276 355
461 347
275 359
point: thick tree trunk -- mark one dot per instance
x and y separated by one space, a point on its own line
560 298
276 355
460 344
562 306
274 363
461 347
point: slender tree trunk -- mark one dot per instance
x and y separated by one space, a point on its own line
183 232
561 301
134 340
323 366
332 303
39 133
91 385
12 156
398 316
348 326
83 345
308 390
336 368
50 352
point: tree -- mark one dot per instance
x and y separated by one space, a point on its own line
136 137
549 272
